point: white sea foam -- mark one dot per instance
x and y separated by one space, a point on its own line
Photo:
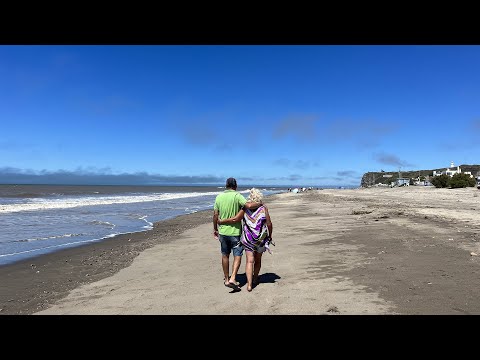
49 247
47 204
105 223
50 237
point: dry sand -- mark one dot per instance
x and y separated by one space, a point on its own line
362 251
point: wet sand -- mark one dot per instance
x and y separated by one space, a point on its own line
377 251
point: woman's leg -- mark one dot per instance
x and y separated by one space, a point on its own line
249 269
257 266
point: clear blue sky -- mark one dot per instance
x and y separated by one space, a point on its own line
271 115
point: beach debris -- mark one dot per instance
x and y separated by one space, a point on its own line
333 309
33 266
361 212
429 283
473 254
450 239
38 271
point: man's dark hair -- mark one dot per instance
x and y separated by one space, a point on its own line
231 183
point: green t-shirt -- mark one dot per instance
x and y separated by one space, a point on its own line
228 205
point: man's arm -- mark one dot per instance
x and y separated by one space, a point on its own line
235 219
247 204
215 222
252 205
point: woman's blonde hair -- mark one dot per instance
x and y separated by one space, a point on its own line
255 195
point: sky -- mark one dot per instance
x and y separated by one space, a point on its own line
287 115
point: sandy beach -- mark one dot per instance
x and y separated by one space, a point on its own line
376 251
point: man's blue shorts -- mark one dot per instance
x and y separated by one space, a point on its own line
229 243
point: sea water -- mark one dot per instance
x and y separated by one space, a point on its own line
38 219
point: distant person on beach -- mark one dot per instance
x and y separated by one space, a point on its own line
256 235
227 204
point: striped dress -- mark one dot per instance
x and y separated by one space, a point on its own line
255 235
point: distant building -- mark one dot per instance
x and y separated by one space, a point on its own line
419 182
450 171
403 182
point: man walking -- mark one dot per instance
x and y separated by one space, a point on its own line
227 205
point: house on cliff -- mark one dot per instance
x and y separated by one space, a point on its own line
452 170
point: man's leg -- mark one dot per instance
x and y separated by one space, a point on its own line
225 249
237 259
225 266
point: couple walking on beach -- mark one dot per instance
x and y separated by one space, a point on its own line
254 234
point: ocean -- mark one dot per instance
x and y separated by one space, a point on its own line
39 219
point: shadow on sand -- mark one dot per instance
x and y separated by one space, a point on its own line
262 279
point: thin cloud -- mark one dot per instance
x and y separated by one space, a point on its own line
300 127
282 162
201 132
365 134
13 145
224 147
198 135
321 177
244 179
300 164
204 130
346 173
389 159
296 164
293 177
198 132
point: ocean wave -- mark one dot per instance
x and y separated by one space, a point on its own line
47 204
